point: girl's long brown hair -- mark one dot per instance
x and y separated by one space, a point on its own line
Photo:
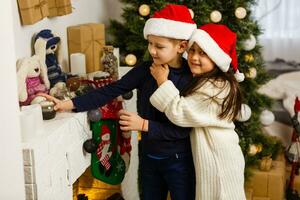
232 102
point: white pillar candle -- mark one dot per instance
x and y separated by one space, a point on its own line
77 62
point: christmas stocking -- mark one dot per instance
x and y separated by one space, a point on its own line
107 164
125 146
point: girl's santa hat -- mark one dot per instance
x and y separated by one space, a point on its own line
173 21
219 43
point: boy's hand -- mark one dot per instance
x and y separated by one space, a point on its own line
160 73
132 122
59 105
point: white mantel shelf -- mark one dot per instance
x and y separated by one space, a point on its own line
54 159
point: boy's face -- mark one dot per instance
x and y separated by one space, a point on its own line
198 61
164 50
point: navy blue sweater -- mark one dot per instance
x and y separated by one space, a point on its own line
163 137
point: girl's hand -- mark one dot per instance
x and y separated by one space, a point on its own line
59 105
160 73
132 122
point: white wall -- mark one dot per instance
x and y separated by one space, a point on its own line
11 173
16 43
85 11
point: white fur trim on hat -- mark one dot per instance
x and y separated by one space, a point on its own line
168 28
211 48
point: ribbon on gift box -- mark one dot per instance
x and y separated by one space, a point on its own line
36 5
60 7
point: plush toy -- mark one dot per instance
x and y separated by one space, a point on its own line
32 77
61 91
55 73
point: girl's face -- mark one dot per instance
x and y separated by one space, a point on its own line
198 61
163 50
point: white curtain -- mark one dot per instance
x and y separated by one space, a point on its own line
280 20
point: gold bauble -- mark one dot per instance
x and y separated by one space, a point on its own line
215 16
249 57
130 59
251 73
240 13
259 148
144 10
252 150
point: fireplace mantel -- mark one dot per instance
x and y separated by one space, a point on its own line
54 159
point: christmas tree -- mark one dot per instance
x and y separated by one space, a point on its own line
236 14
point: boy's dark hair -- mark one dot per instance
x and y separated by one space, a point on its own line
232 102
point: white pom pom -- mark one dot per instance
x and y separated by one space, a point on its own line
239 76
244 114
266 117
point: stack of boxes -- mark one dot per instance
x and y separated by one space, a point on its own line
268 185
32 11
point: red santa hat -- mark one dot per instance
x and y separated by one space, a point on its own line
297 105
219 43
173 21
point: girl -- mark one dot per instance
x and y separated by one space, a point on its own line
209 104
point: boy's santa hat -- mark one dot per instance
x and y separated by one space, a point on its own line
219 43
173 21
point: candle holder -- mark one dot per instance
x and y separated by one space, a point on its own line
48 110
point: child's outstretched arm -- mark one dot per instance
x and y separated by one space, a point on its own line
60 105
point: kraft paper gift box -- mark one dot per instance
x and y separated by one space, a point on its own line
269 184
93 188
249 193
59 7
88 39
261 198
32 11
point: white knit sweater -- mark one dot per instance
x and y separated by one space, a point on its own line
218 159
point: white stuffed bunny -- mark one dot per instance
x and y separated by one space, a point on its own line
32 78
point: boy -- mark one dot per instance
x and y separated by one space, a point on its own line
166 159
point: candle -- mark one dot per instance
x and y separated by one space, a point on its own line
77 62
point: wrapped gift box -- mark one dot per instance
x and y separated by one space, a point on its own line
93 188
268 184
249 193
32 11
88 39
261 198
59 7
